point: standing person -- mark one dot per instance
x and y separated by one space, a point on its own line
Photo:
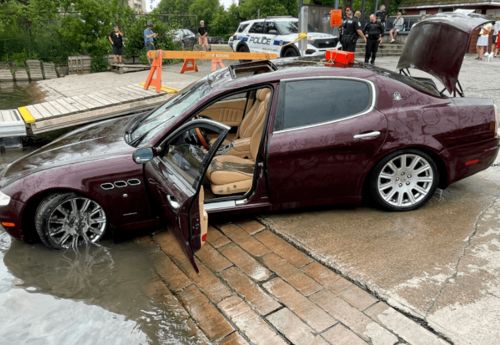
149 37
116 40
482 41
374 32
351 29
398 26
203 35
496 33
381 15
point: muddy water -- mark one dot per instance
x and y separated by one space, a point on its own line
13 95
97 295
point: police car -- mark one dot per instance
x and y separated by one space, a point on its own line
278 35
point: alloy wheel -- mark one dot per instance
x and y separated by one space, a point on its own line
406 180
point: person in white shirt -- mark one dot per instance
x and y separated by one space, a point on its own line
397 26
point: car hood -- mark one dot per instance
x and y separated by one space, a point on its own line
437 45
94 142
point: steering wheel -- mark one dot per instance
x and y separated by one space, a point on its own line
202 138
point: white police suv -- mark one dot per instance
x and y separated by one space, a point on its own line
278 35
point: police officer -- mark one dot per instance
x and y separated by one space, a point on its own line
374 32
351 29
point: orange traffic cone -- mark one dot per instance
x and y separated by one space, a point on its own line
186 68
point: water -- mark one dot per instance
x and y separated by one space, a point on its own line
97 295
13 95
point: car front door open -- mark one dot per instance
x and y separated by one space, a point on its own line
175 177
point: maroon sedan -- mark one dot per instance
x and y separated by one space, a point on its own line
256 137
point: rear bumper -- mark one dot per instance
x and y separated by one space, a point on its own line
468 160
11 214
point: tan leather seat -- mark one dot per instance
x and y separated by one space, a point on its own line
252 120
230 174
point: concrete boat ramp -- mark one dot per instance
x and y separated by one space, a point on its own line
80 99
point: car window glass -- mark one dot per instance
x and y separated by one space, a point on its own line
327 100
257 28
242 27
186 155
287 27
271 26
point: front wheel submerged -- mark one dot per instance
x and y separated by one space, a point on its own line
68 220
404 180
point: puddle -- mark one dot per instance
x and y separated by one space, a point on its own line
97 295
13 95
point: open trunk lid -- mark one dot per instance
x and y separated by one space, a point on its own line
437 45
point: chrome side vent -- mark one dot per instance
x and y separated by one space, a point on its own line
107 186
120 184
134 182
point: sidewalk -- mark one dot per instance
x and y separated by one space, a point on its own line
254 287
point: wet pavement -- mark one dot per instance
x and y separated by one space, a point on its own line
440 263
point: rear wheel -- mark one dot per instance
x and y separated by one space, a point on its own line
68 220
404 180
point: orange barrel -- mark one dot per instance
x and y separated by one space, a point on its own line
335 18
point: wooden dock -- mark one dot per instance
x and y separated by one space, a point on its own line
76 110
126 68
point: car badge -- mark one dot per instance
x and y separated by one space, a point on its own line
396 96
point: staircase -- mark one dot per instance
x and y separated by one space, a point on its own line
387 49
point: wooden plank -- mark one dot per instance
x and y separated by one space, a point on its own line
60 110
89 102
67 105
107 96
35 112
99 99
77 104
137 93
41 110
123 96
139 87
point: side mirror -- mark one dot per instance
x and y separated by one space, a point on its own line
143 155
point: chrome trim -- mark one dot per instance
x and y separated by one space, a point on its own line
4 199
173 203
134 182
107 186
244 201
372 106
365 136
219 205
120 184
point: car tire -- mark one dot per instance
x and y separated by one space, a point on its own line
290 52
403 180
68 220
243 49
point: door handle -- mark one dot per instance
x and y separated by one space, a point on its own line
172 202
369 135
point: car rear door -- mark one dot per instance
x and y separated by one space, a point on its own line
323 143
175 176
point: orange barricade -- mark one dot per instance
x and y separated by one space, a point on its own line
335 18
190 58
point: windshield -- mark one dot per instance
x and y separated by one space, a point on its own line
286 28
151 125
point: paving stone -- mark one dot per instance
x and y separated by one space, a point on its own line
172 275
322 274
205 279
234 339
319 340
358 322
246 263
358 297
159 292
212 258
314 316
293 328
251 226
295 277
211 321
249 291
249 322
404 327
283 249
244 240
216 238
341 335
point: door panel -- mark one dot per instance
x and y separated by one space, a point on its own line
324 163
229 112
175 178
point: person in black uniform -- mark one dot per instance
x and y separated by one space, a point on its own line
374 32
351 29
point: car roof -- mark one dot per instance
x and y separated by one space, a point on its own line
303 68
278 19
